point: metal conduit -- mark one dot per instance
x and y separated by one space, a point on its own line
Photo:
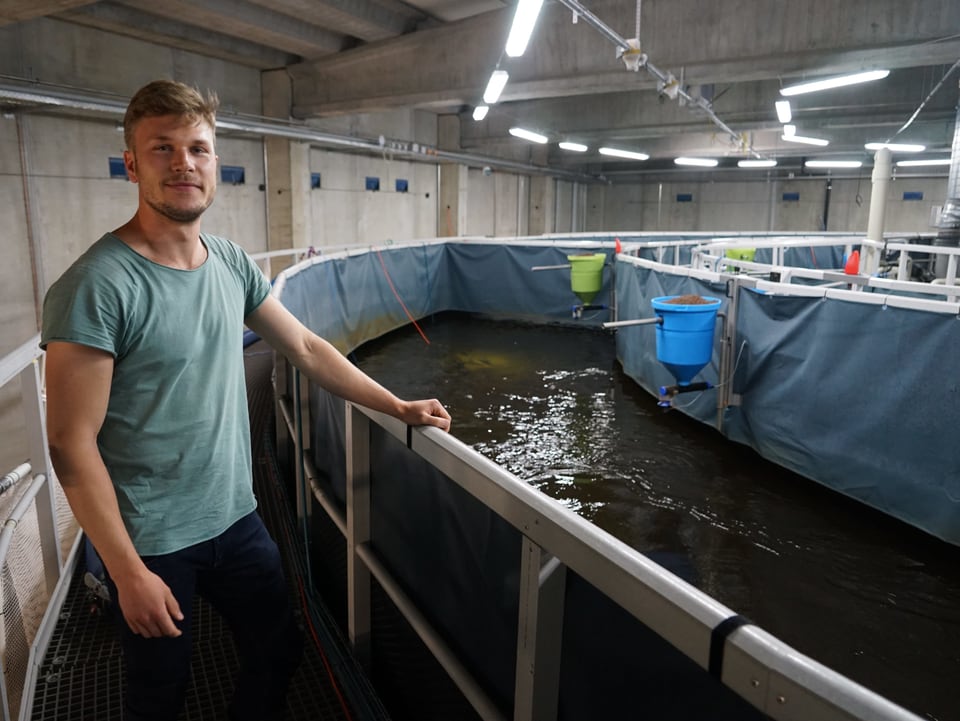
23 505
91 102
620 42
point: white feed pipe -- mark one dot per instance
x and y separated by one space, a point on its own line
882 172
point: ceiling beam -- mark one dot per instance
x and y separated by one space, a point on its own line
248 21
363 19
162 31
14 11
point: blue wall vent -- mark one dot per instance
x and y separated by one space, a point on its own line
232 174
117 168
791 197
402 185
372 183
684 197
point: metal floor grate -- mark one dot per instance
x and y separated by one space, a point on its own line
81 677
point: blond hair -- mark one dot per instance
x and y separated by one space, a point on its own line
169 97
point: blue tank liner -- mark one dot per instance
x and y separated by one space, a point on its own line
861 398
346 298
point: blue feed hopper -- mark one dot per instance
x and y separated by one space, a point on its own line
685 337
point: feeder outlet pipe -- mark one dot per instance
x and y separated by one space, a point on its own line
637 321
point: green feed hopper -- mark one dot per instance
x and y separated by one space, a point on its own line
586 275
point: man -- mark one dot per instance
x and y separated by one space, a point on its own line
147 416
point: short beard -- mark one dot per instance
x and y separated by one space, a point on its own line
179 215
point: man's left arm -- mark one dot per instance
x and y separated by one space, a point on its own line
325 365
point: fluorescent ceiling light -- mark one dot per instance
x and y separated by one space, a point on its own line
699 162
575 147
498 80
806 141
833 164
784 114
756 163
918 163
837 82
523 21
624 154
789 130
480 112
897 147
528 135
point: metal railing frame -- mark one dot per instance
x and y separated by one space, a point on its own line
767 673
23 365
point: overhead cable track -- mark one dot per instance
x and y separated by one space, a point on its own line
666 80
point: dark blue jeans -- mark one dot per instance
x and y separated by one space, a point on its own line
240 574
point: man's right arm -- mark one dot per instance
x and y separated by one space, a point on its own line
78 381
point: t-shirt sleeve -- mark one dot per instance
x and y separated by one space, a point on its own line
256 284
77 309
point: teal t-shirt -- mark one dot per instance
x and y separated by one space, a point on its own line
176 437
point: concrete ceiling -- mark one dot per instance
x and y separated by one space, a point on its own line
730 59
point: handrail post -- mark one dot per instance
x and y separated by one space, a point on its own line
358 532
539 635
281 390
302 442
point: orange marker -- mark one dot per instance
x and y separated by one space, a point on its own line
852 266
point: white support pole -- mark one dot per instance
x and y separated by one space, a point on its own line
36 428
882 171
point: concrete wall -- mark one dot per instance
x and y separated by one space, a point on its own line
759 206
563 211
508 206
344 212
481 202
18 318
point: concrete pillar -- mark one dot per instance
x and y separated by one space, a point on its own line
452 193
543 203
287 173
543 196
523 205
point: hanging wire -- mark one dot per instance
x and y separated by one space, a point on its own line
637 34
400 300
736 364
925 101
687 405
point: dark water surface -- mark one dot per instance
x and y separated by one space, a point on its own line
864 594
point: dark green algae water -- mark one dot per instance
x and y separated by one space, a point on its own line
864 594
